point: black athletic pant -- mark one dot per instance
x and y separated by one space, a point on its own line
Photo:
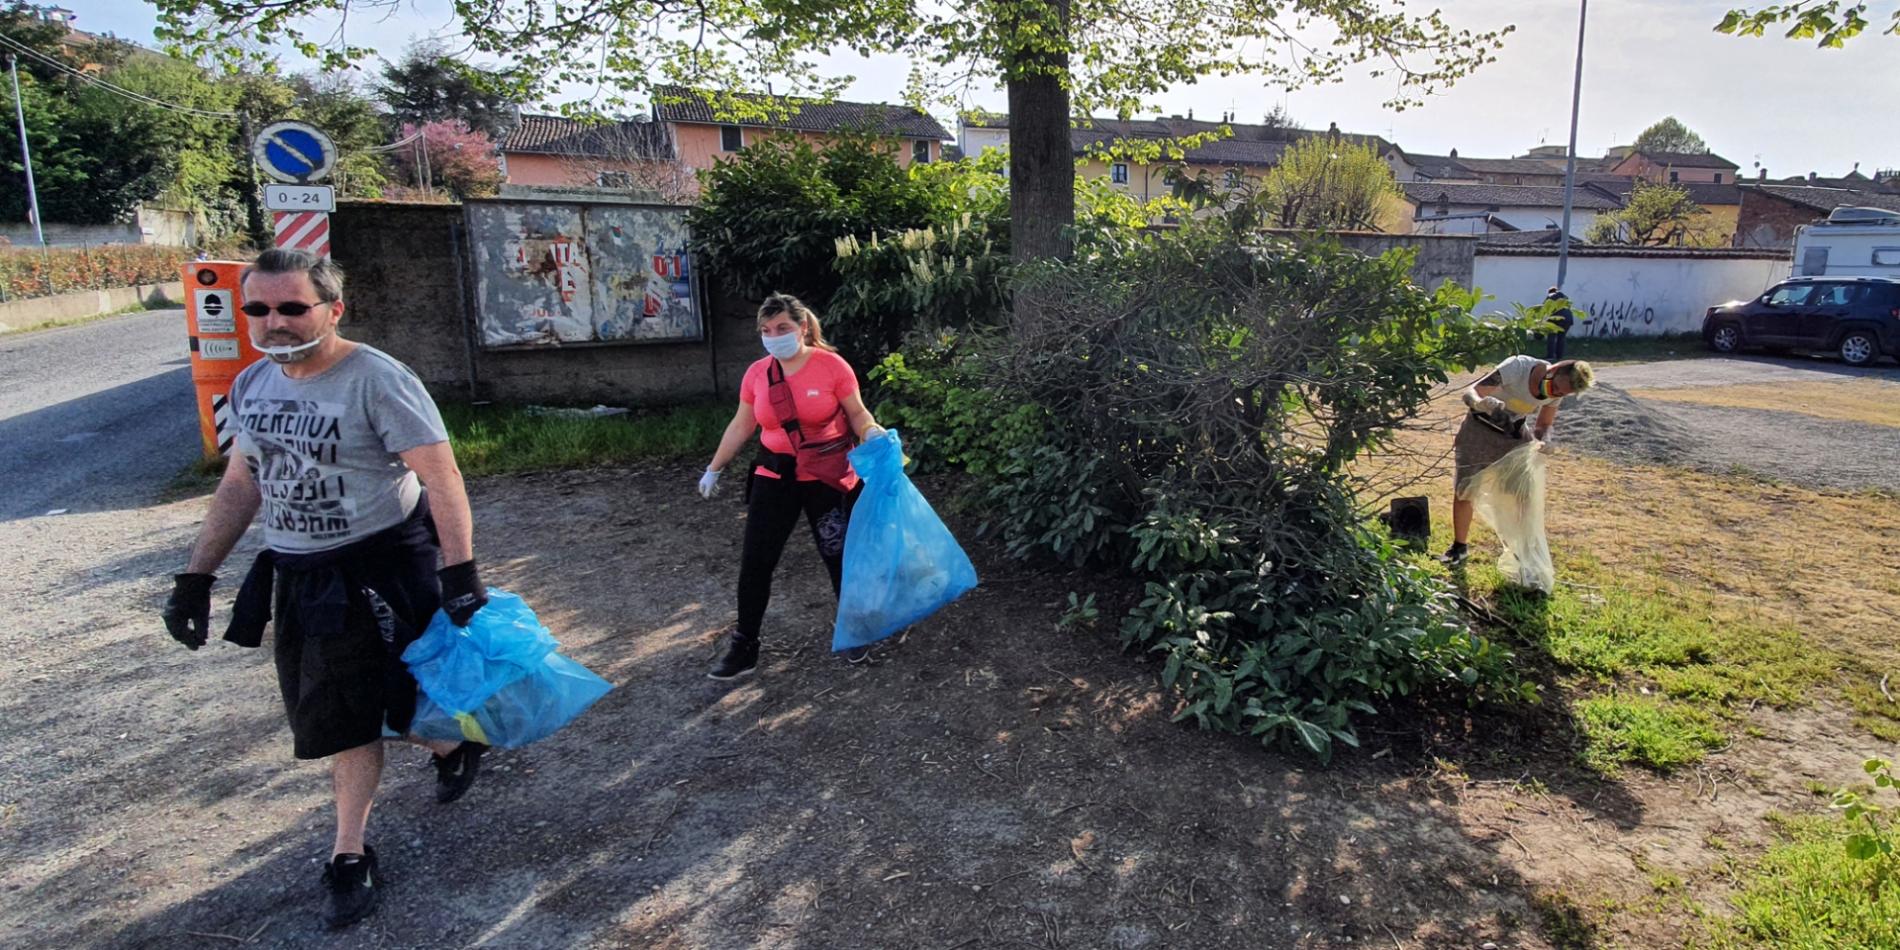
771 514
1554 346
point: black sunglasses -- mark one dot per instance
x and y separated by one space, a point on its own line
291 309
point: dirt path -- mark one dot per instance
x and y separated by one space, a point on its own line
987 783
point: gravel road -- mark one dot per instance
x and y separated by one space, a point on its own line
1737 371
1790 446
95 417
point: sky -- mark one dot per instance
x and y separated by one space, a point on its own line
1772 102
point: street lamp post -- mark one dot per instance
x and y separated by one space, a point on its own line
1570 163
26 154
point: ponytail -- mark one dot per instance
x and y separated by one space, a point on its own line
815 334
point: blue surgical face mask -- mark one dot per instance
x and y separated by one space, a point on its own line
784 346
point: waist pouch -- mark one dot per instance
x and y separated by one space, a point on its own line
828 461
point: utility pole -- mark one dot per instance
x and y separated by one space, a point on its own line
1570 164
26 153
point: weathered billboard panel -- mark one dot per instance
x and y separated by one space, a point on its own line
549 273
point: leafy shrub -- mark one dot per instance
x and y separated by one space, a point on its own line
27 272
933 389
920 280
1876 840
768 220
1201 395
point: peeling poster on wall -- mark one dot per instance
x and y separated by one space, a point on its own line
553 273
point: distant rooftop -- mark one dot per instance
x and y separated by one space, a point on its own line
680 104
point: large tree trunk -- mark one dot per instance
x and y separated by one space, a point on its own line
1041 161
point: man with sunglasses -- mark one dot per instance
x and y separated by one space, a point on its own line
335 442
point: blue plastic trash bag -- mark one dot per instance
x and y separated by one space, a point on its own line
900 563
498 680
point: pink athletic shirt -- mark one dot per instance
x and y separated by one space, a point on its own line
817 389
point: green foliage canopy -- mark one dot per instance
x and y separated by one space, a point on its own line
1656 215
427 85
1670 135
1829 23
769 219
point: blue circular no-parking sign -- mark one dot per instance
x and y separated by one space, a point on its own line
294 152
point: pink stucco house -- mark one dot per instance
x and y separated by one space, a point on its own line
686 133
551 151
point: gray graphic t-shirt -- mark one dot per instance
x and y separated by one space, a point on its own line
324 449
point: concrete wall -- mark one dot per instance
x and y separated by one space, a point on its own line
1440 257
1625 294
1468 219
81 304
407 296
148 226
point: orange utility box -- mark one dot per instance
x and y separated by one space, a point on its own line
220 346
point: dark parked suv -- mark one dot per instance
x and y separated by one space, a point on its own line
1856 317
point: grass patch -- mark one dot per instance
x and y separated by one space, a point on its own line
199 478
495 440
1565 923
1660 672
1808 893
1647 730
1874 711
1632 349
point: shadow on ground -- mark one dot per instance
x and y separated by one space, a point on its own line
986 782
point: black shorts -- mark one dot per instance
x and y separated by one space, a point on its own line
341 688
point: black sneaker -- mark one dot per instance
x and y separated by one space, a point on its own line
857 655
1456 554
455 772
742 657
353 885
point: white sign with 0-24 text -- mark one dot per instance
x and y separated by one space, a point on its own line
299 198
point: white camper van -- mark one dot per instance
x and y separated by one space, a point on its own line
1852 242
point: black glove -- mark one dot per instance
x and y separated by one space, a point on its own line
188 609
462 592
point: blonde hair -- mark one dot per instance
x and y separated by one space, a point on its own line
800 314
1580 374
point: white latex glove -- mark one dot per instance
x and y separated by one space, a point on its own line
708 483
1489 404
875 432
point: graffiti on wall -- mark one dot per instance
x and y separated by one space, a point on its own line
554 273
1618 319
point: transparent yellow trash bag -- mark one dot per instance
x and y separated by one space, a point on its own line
1509 496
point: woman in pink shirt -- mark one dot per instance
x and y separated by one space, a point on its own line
802 395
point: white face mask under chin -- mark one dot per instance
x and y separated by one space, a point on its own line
291 354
